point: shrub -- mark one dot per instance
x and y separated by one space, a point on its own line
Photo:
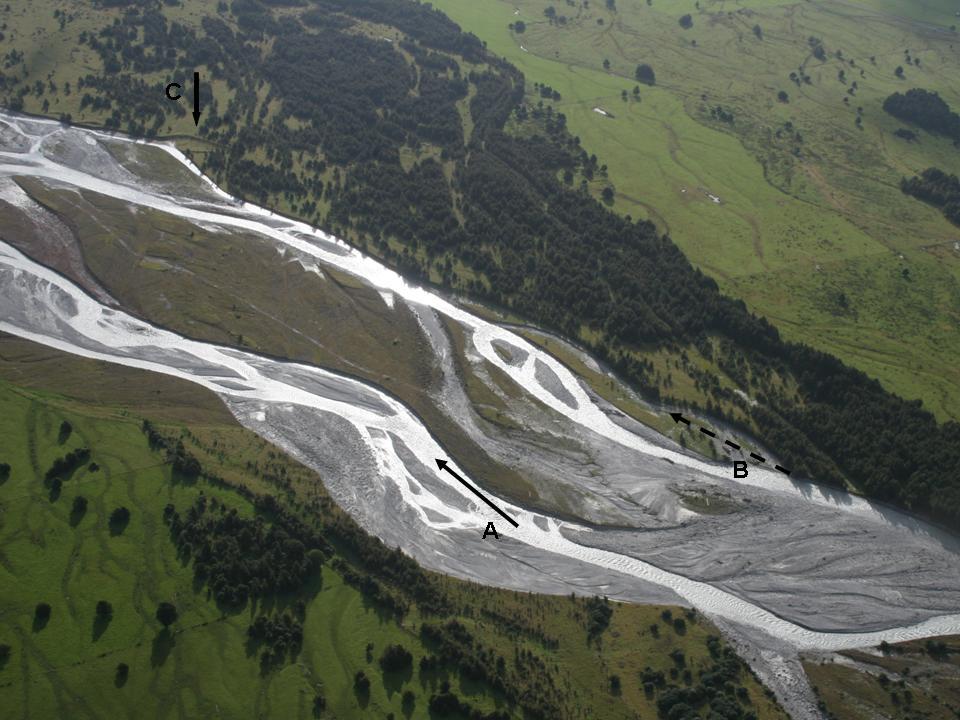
104 610
396 658
119 519
167 614
42 612
644 74
615 684
361 683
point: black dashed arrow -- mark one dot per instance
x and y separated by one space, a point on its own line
679 418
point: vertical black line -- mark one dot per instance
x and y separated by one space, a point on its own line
196 91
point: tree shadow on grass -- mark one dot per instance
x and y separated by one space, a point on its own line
162 646
385 615
118 525
408 706
430 678
363 697
56 487
76 515
39 623
179 478
394 680
100 625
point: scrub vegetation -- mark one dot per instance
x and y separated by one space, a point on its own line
236 586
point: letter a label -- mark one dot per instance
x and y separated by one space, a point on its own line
739 469
491 530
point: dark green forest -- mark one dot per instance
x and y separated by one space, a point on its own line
494 213
938 188
925 109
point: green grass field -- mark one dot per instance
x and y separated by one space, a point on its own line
790 233
49 556
205 668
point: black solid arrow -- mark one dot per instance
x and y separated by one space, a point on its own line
442 464
196 98
679 418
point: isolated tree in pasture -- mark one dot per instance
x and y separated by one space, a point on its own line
104 610
361 683
395 658
41 613
119 519
167 614
319 703
644 74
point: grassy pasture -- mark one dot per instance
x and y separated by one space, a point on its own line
790 233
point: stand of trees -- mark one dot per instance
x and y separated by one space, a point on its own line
938 188
239 558
715 690
455 647
282 634
63 467
925 109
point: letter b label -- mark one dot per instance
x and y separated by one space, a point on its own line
739 469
